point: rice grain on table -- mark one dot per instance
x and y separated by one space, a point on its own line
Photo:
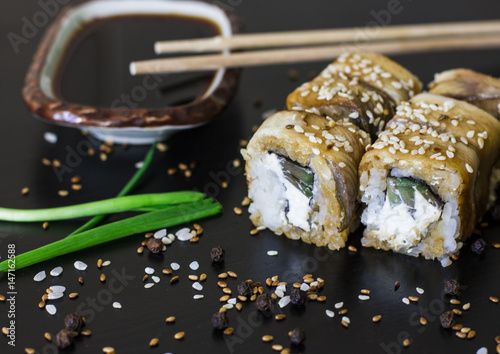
51 309
40 276
79 265
175 266
194 265
57 271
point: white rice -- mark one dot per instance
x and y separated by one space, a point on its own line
446 228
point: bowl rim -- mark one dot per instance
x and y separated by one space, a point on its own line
44 103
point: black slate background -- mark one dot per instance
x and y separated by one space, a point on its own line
213 146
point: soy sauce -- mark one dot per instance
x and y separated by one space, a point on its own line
95 67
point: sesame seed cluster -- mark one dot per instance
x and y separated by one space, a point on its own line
359 87
327 137
423 127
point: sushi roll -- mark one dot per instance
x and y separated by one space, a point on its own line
302 164
478 89
426 180
364 87
482 91
301 170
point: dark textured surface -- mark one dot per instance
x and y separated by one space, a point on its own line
213 147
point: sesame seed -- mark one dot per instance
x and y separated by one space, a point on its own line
298 129
420 290
406 301
179 335
342 165
469 168
108 350
154 342
363 297
423 321
63 193
117 305
272 253
277 347
494 299
267 338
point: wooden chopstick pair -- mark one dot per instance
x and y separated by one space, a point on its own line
389 40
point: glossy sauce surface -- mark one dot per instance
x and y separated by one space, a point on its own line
95 68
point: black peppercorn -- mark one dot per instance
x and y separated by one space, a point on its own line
451 287
298 297
155 245
245 288
219 320
74 321
64 338
217 254
478 246
264 302
297 336
447 319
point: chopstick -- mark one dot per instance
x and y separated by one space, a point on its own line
328 36
314 53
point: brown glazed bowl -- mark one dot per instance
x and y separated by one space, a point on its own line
135 125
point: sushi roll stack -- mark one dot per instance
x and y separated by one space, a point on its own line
364 87
426 180
467 85
302 164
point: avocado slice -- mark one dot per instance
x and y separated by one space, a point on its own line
402 190
299 176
